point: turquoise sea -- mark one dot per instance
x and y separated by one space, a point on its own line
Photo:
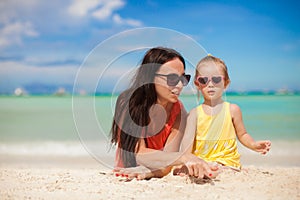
50 118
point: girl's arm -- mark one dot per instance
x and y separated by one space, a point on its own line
245 138
189 133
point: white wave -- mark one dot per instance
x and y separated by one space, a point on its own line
278 148
53 149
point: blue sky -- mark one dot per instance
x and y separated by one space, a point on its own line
44 43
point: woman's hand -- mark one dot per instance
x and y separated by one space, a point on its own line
139 172
198 167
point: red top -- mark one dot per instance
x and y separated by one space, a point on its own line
159 140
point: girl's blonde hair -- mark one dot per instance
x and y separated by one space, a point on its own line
218 62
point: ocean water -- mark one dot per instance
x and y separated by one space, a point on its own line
40 118
274 117
54 124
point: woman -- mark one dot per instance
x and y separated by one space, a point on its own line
149 120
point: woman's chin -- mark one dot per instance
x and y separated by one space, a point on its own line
174 98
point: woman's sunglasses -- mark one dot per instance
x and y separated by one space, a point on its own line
173 79
204 80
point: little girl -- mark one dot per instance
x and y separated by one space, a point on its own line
213 126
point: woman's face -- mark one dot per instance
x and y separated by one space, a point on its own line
165 93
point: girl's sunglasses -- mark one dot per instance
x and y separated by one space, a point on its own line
173 79
204 80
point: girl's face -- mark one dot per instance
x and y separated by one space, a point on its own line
210 81
166 93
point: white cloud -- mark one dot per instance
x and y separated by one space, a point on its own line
81 8
17 73
15 23
12 9
13 33
28 19
107 9
131 22
99 9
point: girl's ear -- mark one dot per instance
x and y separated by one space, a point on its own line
227 84
196 83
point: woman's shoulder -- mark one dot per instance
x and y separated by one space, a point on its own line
122 101
124 96
178 110
180 107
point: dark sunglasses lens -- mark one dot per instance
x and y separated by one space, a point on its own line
203 80
185 79
172 79
216 79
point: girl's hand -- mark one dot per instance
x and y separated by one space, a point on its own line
262 147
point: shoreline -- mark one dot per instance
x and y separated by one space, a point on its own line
283 153
62 161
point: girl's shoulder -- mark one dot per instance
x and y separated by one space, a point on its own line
198 108
233 106
234 109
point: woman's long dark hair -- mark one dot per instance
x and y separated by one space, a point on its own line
132 107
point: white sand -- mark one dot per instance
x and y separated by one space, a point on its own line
275 176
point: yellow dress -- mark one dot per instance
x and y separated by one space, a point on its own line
215 139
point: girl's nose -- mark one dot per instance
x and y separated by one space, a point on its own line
210 83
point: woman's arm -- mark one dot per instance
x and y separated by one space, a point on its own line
162 160
245 138
156 159
176 135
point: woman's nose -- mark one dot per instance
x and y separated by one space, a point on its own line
179 84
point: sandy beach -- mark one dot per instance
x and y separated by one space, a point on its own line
275 176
